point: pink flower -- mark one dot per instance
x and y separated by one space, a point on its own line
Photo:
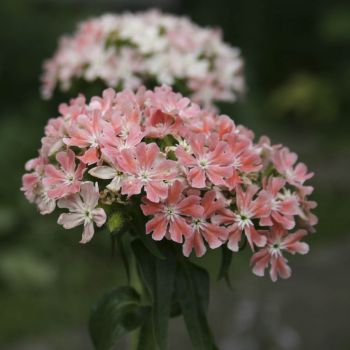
278 240
55 131
245 159
241 220
283 207
86 133
203 163
83 211
33 188
284 161
160 124
168 102
146 168
171 215
111 171
66 179
123 129
202 227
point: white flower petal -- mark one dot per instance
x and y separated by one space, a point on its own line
103 172
99 216
70 220
88 233
89 194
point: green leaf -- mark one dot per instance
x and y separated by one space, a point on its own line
123 255
151 246
158 276
191 282
226 259
146 339
117 313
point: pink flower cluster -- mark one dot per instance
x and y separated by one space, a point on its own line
202 180
128 50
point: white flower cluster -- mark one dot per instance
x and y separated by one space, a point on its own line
147 48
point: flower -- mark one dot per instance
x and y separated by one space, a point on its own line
146 168
171 216
278 240
64 180
202 227
241 220
129 50
111 171
283 206
205 163
197 178
83 211
284 161
86 133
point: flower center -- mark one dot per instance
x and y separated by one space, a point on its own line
275 248
87 216
275 205
197 223
243 220
236 163
69 179
144 176
170 213
203 163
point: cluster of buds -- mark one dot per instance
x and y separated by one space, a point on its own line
148 48
200 180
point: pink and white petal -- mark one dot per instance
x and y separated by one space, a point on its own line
194 241
155 191
53 175
158 225
174 192
185 158
260 261
58 192
190 206
150 208
254 237
147 154
217 174
280 268
196 176
90 194
90 156
287 222
234 238
289 206
70 220
131 186
103 172
88 233
72 202
67 160
99 216
178 228
127 162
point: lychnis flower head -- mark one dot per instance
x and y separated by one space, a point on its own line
183 173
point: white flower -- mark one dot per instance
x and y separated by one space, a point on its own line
83 211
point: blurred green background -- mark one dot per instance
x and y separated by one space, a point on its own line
297 57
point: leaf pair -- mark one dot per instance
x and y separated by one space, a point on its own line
192 291
158 276
176 286
118 313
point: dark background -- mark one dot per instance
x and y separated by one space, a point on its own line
297 56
